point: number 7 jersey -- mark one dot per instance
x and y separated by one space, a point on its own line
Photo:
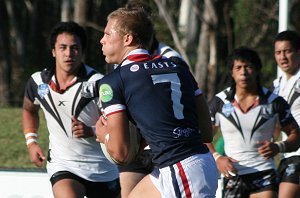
159 96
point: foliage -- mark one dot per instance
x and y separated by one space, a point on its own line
12 142
253 24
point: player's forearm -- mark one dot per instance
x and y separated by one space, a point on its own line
292 143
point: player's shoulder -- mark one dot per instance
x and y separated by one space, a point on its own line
93 74
40 77
167 51
224 94
270 96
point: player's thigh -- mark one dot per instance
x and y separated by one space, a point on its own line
145 189
70 187
288 190
128 181
264 194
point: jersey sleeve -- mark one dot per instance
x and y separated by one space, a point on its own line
110 93
214 104
284 112
30 90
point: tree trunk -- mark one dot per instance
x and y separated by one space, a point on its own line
80 12
164 11
65 10
206 53
5 65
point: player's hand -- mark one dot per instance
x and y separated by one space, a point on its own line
80 130
226 167
36 154
101 129
267 149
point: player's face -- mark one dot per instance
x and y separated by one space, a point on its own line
244 75
112 42
67 52
286 57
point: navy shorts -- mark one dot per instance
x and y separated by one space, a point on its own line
289 170
109 189
245 185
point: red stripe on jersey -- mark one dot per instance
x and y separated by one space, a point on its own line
141 57
115 112
184 181
55 87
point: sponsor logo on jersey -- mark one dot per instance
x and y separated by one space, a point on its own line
134 68
62 103
227 109
183 132
158 65
87 90
106 93
43 90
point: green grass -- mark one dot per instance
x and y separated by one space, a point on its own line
13 150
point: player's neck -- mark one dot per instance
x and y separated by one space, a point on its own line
246 93
64 79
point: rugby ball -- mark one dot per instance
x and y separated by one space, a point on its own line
135 139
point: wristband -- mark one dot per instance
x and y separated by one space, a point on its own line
31 134
281 146
29 141
216 155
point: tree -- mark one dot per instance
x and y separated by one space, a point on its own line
5 64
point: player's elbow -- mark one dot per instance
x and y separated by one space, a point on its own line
120 156
207 135
207 139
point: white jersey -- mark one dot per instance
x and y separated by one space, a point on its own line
241 131
289 89
166 51
80 156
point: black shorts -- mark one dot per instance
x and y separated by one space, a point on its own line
142 164
245 185
109 189
289 170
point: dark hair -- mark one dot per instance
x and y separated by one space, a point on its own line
291 36
71 28
139 5
244 54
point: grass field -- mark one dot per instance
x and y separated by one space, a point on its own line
13 150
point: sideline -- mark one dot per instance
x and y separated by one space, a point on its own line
24 184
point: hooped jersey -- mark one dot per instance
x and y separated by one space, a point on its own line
241 131
81 156
289 89
159 97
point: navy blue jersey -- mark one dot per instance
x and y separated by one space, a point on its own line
159 97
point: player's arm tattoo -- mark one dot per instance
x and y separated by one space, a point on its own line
29 106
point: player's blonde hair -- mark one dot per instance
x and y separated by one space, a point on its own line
135 22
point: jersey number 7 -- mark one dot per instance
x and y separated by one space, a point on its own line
175 91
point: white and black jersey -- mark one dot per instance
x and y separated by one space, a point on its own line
242 130
81 156
289 89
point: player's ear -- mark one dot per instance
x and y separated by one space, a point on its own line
128 39
53 52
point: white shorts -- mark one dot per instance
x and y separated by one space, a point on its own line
194 177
